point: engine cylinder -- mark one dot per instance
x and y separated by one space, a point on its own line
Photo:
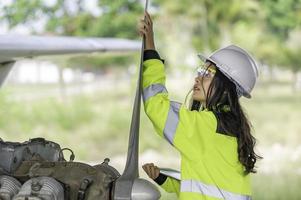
9 187
41 188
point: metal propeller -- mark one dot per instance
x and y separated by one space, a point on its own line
129 186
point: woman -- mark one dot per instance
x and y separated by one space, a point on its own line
213 136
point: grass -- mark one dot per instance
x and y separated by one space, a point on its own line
96 126
277 186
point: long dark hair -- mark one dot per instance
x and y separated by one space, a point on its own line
223 101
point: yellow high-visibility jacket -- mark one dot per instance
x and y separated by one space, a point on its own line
210 168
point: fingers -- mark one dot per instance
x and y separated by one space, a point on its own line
151 170
144 25
157 171
146 22
142 31
148 18
144 28
147 169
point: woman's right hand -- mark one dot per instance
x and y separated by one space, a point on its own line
151 170
145 28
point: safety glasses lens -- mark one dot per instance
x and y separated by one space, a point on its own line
205 71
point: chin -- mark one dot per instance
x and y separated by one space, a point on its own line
197 98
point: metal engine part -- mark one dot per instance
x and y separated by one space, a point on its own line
9 187
13 153
108 169
41 188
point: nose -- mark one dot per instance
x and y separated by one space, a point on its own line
197 79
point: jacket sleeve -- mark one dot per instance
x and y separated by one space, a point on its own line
157 105
169 118
171 186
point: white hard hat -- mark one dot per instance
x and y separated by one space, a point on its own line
238 65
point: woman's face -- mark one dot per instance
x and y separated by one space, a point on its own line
203 81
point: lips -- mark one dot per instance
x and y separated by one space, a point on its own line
196 88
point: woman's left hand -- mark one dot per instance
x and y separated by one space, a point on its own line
151 170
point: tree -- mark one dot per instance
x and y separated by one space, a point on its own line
190 26
210 21
292 59
282 16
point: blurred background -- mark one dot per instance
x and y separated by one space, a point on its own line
85 102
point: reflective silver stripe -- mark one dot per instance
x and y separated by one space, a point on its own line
152 90
210 190
172 121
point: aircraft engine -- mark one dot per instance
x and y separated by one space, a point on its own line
37 170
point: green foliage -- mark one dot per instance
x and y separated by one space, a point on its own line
120 18
270 50
212 22
210 19
282 16
292 58
208 24
22 11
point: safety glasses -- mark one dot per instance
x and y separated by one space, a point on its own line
206 70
